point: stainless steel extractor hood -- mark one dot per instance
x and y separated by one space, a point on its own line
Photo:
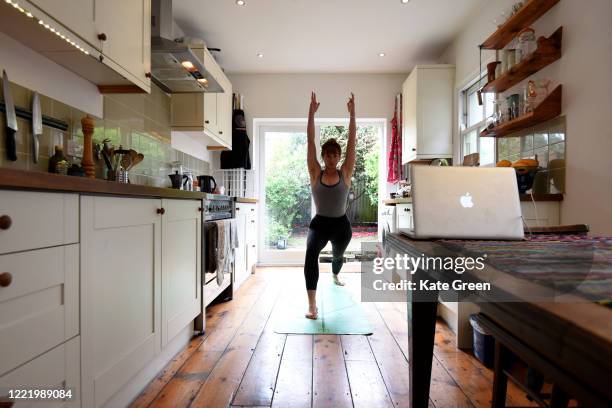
174 67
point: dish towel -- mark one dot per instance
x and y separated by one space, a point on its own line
222 249
234 241
395 153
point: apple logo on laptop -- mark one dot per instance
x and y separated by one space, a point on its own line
466 201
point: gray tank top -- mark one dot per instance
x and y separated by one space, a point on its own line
330 200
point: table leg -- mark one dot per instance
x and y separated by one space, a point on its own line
421 332
500 379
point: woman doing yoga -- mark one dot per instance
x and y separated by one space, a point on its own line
330 188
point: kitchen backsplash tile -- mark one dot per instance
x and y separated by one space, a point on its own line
547 142
134 121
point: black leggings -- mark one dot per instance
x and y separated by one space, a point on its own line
321 230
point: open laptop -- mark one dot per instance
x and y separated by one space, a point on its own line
465 202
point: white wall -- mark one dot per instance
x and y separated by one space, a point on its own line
288 96
585 71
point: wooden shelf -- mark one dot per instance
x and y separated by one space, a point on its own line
548 51
530 12
549 108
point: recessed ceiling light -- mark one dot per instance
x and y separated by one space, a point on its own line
241 2
260 55
381 54
405 1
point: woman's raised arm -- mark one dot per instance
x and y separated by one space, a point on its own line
349 161
314 168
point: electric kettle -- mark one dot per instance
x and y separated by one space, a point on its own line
207 184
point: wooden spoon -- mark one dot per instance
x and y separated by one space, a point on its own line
138 159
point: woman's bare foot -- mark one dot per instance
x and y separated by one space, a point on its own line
312 313
337 280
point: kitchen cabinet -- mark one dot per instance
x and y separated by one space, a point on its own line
404 216
127 28
246 253
428 111
57 369
120 292
181 265
114 32
140 285
209 115
77 16
40 303
37 220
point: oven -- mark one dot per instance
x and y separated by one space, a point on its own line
215 286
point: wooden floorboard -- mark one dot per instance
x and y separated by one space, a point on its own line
222 383
329 377
294 383
241 362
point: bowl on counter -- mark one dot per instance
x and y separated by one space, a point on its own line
525 175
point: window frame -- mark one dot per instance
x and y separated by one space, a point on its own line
464 129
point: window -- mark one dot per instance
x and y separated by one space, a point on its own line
473 121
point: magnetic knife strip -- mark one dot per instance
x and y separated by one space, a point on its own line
46 120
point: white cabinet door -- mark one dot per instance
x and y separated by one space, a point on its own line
120 292
409 129
240 263
127 27
181 273
404 216
58 369
434 115
210 113
40 306
37 220
427 110
251 237
225 113
77 16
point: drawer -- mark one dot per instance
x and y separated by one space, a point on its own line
57 369
37 220
40 306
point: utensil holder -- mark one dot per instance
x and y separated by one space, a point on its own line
122 176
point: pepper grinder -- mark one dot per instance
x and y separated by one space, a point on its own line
87 123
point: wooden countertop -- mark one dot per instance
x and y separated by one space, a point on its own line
246 200
39 181
393 201
523 197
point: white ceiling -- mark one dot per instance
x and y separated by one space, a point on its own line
325 36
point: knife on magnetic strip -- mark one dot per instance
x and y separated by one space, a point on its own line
11 119
37 126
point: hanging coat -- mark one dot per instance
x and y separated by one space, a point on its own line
239 156
395 152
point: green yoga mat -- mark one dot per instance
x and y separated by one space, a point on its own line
340 310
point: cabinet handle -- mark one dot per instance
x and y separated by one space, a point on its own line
5 222
200 209
220 132
161 211
253 246
252 209
253 221
5 279
102 37
406 209
237 208
207 121
148 75
414 149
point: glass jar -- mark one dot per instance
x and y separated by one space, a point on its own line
526 43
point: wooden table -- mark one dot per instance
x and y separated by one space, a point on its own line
572 337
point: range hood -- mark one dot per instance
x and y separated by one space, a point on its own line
174 66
